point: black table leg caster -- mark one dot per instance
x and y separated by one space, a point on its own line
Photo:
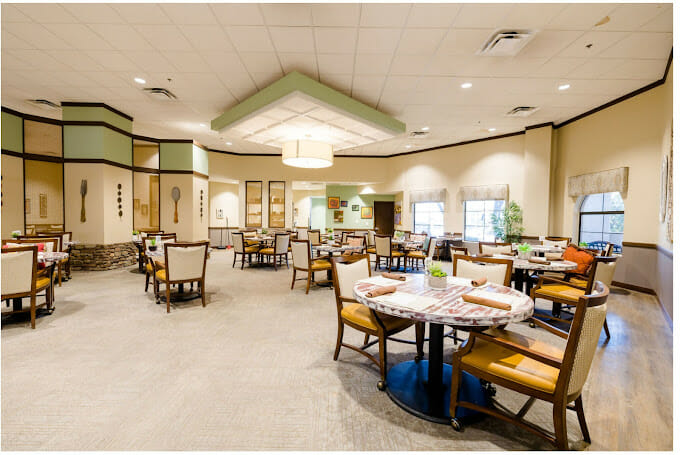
382 386
455 423
418 358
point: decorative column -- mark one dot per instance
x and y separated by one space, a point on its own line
537 159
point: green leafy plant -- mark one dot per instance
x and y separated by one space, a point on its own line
508 226
583 244
329 230
153 241
135 232
265 231
524 248
16 234
435 269
398 234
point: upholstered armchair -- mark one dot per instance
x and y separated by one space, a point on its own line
495 248
495 270
302 261
383 249
562 242
152 266
184 263
279 251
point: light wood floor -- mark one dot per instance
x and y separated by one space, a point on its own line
110 370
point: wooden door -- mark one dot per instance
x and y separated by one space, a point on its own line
383 214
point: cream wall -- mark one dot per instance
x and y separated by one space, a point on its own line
12 195
537 158
200 228
223 196
92 230
303 204
185 226
116 229
43 177
146 155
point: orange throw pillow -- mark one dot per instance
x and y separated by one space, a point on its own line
582 258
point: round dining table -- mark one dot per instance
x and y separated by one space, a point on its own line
521 268
423 387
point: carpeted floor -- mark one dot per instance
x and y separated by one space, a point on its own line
110 370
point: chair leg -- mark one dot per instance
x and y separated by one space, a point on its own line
560 421
420 340
274 257
243 260
338 344
582 419
382 347
146 286
309 281
366 337
234 263
292 283
33 311
202 284
455 384
59 273
377 260
606 328
167 296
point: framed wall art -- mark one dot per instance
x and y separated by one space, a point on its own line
366 212
355 208
333 202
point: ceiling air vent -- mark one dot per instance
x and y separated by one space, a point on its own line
418 134
162 94
522 111
45 104
506 43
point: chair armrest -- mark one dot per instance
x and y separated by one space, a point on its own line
544 279
535 355
552 329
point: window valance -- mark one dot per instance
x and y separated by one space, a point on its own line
484 192
599 182
432 195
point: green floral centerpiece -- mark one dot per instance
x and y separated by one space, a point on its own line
16 234
329 231
524 251
152 244
583 244
398 235
265 231
436 277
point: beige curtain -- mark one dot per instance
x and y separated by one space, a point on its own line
484 192
432 195
599 182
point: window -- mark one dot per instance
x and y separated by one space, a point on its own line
478 227
601 218
428 217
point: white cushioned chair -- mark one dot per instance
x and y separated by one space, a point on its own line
302 261
184 263
495 270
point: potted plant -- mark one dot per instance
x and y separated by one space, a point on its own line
152 244
329 231
398 235
135 235
436 277
265 231
16 234
508 226
524 251
583 244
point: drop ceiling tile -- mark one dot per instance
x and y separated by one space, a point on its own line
549 42
292 39
594 68
405 83
187 61
109 79
93 13
645 69
11 14
641 45
224 63
600 42
113 60
375 64
304 63
250 39
13 61
464 42
409 64
290 14
150 61
33 35
419 41
384 14
335 63
488 15
189 13
580 16
79 36
337 40
336 15
241 85
532 15
558 67
46 13
376 41
121 36
42 61
262 80
630 16
368 97
432 15
663 22
238 14
207 37
142 13
368 83
260 62
339 82
11 41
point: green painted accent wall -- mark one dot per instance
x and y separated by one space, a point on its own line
317 213
117 147
95 114
12 133
97 142
299 82
200 160
351 194
177 156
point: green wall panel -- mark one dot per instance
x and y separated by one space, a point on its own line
96 114
117 147
84 141
351 194
177 156
12 133
200 160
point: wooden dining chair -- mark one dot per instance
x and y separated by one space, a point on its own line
64 265
347 270
302 233
562 242
355 240
495 270
535 368
419 255
303 262
20 278
238 240
152 266
314 236
279 251
453 250
184 263
383 249
495 248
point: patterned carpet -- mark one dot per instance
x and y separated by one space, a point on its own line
110 370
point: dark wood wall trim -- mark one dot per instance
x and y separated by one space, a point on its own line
137 137
104 105
180 171
146 170
540 125
37 157
651 246
98 161
96 123
11 153
178 141
35 118
634 287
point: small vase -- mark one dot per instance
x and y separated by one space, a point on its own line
524 254
436 282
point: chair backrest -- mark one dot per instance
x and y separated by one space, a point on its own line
347 270
431 247
302 233
458 250
19 266
58 235
314 236
584 334
602 269
418 237
609 250
407 235
497 271
562 242
66 237
148 233
237 240
249 233
495 248
164 238
355 240
555 238
51 244
281 243
371 238
383 245
301 251
185 261
343 236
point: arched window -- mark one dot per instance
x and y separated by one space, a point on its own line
601 220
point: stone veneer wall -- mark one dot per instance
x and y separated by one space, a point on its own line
103 257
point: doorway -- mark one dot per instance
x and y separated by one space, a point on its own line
383 213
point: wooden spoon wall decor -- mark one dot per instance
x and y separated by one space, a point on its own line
175 197
83 192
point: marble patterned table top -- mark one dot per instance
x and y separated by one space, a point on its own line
554 266
445 306
49 257
335 249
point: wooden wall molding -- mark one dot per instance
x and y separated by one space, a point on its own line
104 105
180 171
650 246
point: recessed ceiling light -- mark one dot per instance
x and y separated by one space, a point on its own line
202 124
491 130
466 85
563 87
408 146
425 128
228 143
139 80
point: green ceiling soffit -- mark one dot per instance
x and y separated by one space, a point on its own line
295 81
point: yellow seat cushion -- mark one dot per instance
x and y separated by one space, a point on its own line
267 251
417 254
42 282
579 282
370 250
396 254
159 265
561 291
251 249
251 242
513 366
361 315
160 275
320 264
